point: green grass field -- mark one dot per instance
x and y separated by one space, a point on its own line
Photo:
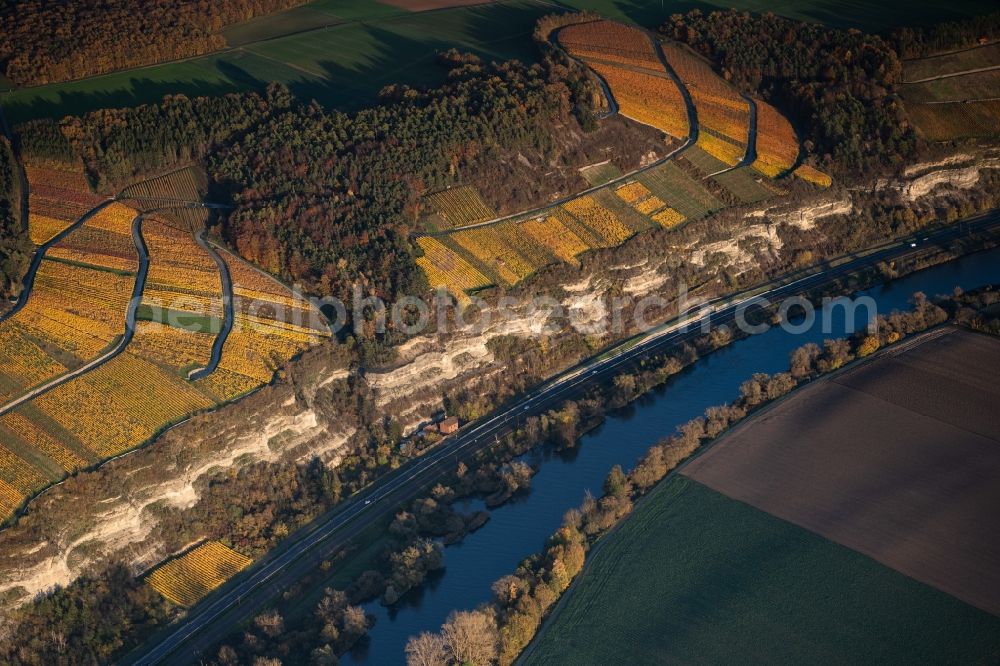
367 45
344 65
680 191
694 577
743 184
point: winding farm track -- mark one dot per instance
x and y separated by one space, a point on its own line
36 260
210 621
137 288
612 102
227 309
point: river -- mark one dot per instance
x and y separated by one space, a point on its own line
520 527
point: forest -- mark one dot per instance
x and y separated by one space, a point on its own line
15 248
47 41
835 85
919 42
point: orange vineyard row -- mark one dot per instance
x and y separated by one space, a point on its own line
652 100
187 579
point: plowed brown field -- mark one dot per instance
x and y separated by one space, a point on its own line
898 458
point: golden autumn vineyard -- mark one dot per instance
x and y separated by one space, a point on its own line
190 577
74 317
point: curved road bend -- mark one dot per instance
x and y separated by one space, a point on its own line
691 140
137 287
36 260
692 110
227 309
289 562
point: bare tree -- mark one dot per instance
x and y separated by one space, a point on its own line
427 649
472 637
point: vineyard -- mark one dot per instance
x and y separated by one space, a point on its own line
187 579
958 120
443 266
182 276
777 144
607 40
723 116
76 312
650 99
104 241
271 325
745 184
461 206
120 404
664 196
172 189
813 175
52 208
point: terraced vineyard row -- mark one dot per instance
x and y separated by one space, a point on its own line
505 253
190 577
612 41
53 207
723 115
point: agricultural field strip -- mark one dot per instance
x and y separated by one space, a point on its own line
49 278
188 578
949 75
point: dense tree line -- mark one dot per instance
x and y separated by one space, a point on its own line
45 41
120 146
328 198
918 42
836 85
15 247
88 622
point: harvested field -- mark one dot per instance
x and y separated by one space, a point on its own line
898 458
693 577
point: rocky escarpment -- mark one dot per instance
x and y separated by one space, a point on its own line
112 512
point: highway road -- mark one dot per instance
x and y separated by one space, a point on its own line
209 621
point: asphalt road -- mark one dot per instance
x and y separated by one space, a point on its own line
227 309
241 599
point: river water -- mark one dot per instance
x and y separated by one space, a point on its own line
520 527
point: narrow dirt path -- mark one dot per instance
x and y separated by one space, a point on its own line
951 75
